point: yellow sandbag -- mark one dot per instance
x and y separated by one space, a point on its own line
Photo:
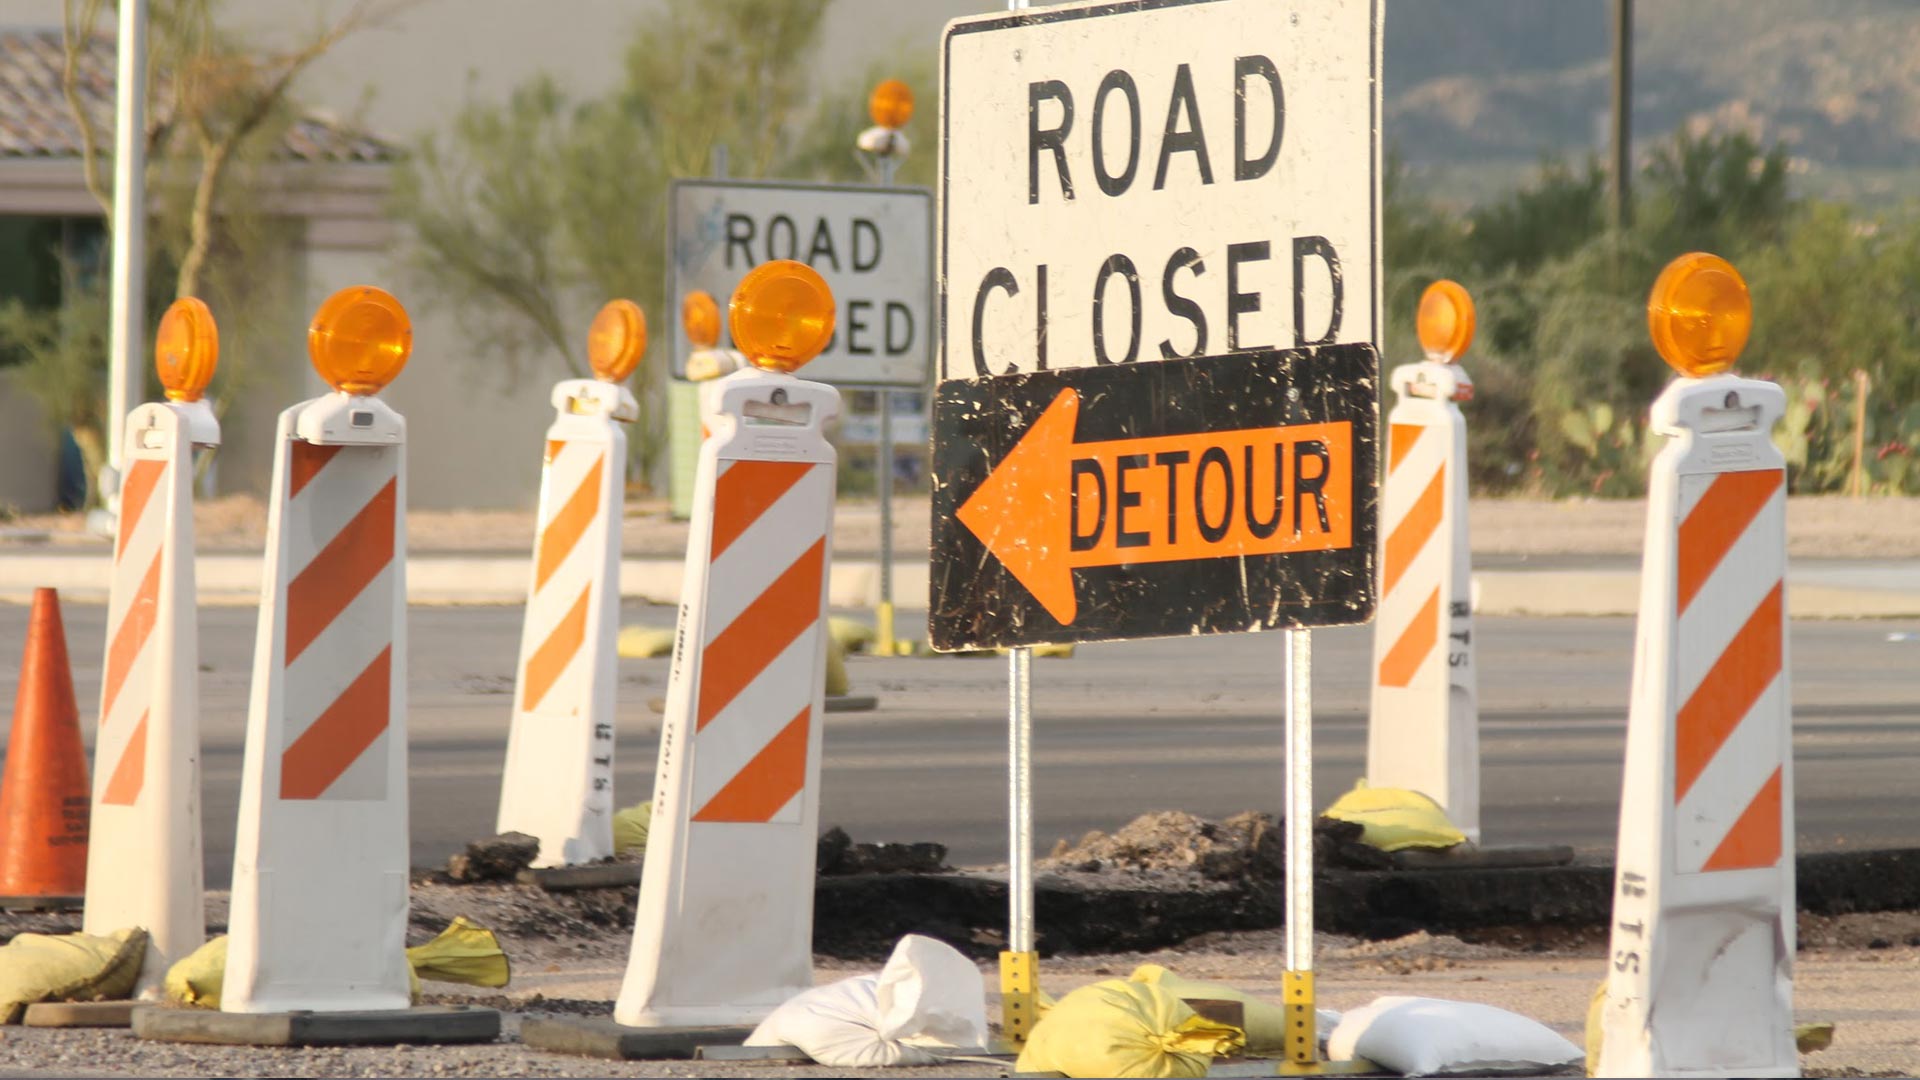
836 668
1118 1028
643 642
465 952
1266 1022
853 636
1395 818
68 967
630 828
195 978
1813 1036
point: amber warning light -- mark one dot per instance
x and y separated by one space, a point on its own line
1699 314
360 339
186 350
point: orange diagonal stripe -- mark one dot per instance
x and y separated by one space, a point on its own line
565 528
1756 839
1400 440
131 635
744 492
763 631
768 782
554 446
1413 531
332 743
130 772
1397 668
555 653
141 478
308 460
343 568
1729 505
1727 694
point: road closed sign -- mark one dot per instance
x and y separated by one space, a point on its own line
1146 181
1159 279
871 244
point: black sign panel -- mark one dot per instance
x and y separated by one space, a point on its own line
1216 495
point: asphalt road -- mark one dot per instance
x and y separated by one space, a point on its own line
1120 729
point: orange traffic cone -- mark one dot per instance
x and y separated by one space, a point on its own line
44 796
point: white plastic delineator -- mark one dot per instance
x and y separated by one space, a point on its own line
724 930
1701 965
144 865
320 867
558 784
1424 733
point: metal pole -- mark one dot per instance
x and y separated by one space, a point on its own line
1622 112
1020 799
129 284
1301 1041
883 467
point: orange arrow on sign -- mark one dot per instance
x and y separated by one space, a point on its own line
1054 505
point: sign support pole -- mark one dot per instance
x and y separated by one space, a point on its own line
1302 1043
1019 974
885 642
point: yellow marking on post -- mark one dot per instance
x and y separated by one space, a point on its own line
1302 1041
1019 995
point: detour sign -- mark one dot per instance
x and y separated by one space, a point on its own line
1223 494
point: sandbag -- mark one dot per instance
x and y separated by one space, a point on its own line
927 995
852 636
631 827
465 952
1266 1021
1395 818
68 967
1418 1036
643 642
1122 1028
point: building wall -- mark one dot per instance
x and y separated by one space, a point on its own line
29 458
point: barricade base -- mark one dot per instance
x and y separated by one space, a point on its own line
424 1025
77 1014
42 903
834 703
603 1037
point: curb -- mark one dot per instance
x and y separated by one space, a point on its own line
227 580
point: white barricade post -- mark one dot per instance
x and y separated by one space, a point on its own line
724 929
1701 979
1423 733
319 914
558 783
144 865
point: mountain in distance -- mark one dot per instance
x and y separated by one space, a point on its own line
1477 92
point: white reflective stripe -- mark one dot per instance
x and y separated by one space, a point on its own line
766 549
337 656
1730 594
135 696
762 710
1733 776
333 497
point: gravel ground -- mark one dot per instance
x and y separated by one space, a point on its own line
1823 526
569 951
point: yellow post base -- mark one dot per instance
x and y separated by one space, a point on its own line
884 643
1296 996
1019 995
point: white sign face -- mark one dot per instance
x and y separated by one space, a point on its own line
872 245
1158 180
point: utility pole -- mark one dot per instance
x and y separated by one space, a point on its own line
1622 113
125 376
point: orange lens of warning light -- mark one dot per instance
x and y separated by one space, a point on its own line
186 349
700 317
1699 314
891 104
617 340
1445 321
782 314
360 339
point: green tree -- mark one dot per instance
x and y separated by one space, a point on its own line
530 213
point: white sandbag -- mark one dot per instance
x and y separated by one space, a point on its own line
1420 1036
928 995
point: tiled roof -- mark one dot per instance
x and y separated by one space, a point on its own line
35 121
